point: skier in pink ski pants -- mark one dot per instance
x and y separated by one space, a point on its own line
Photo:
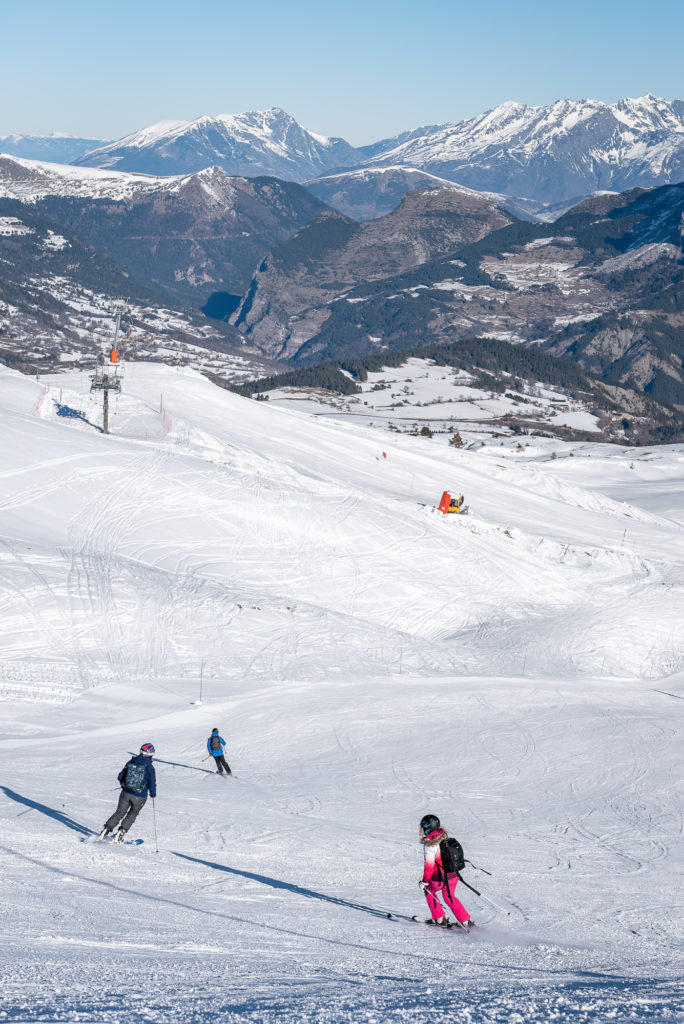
435 878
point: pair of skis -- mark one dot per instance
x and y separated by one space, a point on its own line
452 924
449 926
111 841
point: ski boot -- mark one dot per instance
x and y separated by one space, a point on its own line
104 833
440 922
120 836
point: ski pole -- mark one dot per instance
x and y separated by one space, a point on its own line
468 885
154 819
485 898
446 912
496 905
483 870
440 903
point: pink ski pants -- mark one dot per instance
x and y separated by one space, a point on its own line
447 890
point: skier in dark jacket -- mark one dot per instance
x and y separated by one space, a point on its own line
215 746
137 779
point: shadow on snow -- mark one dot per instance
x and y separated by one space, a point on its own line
50 812
276 883
580 976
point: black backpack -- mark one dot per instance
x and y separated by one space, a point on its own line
215 743
134 779
451 853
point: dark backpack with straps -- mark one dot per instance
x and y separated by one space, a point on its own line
451 853
134 779
215 743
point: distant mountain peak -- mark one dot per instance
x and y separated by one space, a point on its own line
250 144
552 153
56 147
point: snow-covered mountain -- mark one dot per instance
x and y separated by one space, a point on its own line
258 142
55 147
192 236
541 155
72 239
369 192
568 150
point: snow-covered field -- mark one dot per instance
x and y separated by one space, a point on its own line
419 392
518 671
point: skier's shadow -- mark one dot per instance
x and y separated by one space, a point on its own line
276 883
50 812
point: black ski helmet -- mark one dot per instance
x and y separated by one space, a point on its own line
428 823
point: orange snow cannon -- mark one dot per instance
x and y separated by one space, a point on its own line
448 504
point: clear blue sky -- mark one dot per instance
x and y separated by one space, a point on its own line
363 69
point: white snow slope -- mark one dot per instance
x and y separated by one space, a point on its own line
517 671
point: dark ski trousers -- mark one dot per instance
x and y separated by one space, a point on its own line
220 760
129 807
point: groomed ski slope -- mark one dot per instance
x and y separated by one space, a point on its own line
518 672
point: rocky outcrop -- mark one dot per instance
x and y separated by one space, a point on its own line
289 297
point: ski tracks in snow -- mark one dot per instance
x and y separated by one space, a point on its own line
97 534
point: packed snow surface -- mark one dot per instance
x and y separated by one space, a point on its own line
517 671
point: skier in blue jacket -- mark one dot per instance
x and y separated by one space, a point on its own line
215 746
137 778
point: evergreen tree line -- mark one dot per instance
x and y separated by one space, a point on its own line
476 355
327 376
483 359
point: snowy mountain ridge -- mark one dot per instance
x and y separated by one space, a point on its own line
33 180
58 147
542 154
30 180
365 193
540 123
568 149
254 143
